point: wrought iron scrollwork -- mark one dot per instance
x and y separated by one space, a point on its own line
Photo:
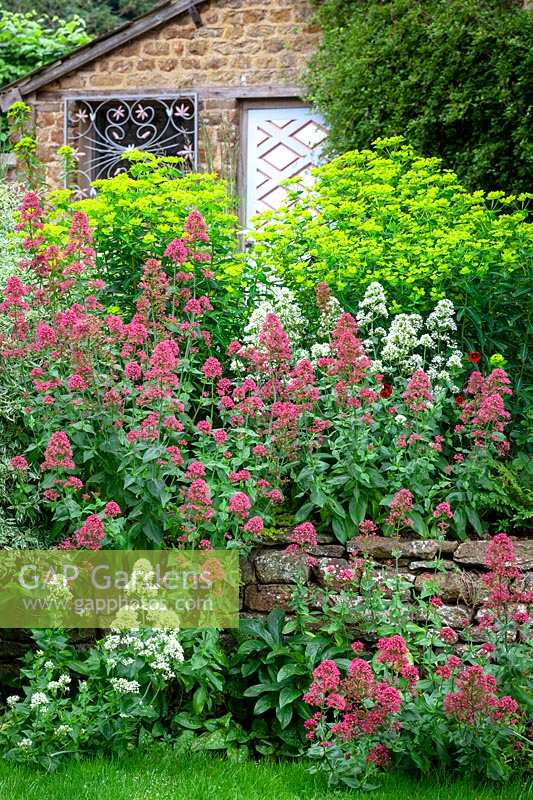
101 130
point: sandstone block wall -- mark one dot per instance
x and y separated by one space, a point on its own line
244 48
268 576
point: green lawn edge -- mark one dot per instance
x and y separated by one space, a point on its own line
163 774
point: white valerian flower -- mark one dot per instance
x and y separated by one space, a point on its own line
12 700
413 362
371 313
48 664
160 647
62 682
123 686
320 350
400 344
426 340
58 591
441 320
455 361
400 419
63 730
372 306
25 743
38 699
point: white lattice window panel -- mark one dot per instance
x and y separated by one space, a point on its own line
281 143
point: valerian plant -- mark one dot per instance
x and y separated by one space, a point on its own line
387 214
416 698
134 434
110 700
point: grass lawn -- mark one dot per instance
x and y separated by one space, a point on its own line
163 775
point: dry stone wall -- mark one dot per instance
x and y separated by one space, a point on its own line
268 573
268 576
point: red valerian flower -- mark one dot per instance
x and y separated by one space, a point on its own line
19 463
379 755
386 391
112 509
418 394
474 357
459 400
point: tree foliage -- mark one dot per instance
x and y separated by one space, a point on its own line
28 41
100 16
454 76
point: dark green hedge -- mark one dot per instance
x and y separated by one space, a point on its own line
454 76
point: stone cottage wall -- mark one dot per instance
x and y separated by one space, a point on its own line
245 49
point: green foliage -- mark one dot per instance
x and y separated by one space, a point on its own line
100 17
512 492
135 215
15 528
28 41
17 132
269 675
391 216
10 251
106 700
454 76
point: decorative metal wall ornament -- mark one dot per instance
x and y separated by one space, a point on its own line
102 129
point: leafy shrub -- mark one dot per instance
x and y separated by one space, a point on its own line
414 699
391 216
110 700
138 395
348 437
137 213
138 411
10 251
454 77
29 41
268 674
100 17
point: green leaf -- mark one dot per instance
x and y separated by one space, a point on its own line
264 704
284 715
199 700
287 695
289 670
340 529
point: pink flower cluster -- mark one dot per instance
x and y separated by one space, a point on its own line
350 361
360 703
484 415
302 537
443 513
393 651
476 700
399 509
502 580
58 453
240 505
418 393
89 537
